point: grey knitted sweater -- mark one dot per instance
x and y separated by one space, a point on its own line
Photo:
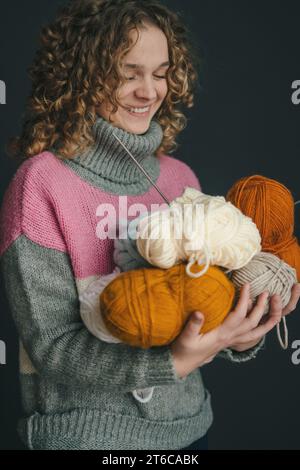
76 389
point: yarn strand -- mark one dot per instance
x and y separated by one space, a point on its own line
284 344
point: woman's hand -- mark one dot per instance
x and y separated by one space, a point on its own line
244 326
251 338
292 305
275 305
241 329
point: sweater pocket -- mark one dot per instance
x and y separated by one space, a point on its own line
176 401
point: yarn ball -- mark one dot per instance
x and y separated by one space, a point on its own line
90 307
271 206
188 195
89 311
266 272
125 254
219 235
149 306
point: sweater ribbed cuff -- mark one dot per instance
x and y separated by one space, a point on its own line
243 356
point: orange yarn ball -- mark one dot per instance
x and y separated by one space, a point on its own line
271 207
149 306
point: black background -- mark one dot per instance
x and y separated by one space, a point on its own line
243 122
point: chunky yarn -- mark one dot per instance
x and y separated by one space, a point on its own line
219 235
125 254
267 272
92 318
149 306
90 307
271 206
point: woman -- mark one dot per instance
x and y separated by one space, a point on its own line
104 66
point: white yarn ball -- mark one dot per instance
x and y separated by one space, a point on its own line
160 229
90 307
223 237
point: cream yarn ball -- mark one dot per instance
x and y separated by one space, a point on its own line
198 227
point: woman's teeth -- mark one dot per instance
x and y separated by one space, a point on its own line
139 110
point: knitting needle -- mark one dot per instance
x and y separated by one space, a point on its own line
142 169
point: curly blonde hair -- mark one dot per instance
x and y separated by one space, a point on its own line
77 66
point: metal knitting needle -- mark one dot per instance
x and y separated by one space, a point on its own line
142 169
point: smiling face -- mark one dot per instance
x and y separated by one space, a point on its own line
145 68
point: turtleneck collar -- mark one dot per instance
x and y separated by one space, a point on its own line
107 164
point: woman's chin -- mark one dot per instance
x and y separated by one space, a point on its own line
136 128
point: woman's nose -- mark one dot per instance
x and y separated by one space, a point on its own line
147 89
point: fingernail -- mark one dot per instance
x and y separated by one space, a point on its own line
198 317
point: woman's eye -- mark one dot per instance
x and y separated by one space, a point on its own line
156 76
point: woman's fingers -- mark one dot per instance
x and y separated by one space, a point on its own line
293 300
272 319
243 302
194 325
254 317
257 312
230 327
240 310
275 307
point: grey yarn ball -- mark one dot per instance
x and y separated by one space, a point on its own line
126 255
266 272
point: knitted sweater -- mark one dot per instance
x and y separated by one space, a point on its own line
76 389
